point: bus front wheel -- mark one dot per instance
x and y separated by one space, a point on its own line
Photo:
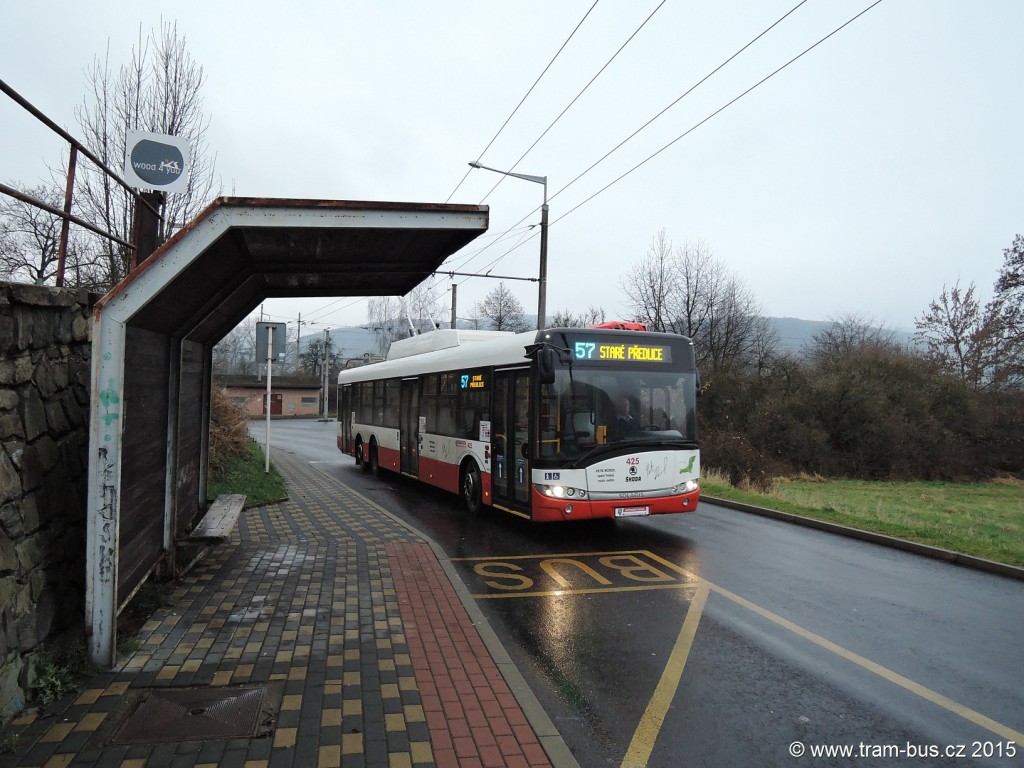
472 493
359 455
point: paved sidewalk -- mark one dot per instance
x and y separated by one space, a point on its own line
327 633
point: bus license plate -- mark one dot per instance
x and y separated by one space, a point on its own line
632 511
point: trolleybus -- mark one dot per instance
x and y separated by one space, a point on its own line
555 424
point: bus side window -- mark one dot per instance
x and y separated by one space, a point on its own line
445 420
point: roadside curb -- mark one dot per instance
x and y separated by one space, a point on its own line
935 553
558 751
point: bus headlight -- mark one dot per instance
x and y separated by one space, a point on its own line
688 487
561 491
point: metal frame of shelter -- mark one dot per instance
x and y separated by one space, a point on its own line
153 336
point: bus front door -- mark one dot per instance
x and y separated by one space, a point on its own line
410 428
510 426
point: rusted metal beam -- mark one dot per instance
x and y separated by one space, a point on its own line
24 103
58 212
66 223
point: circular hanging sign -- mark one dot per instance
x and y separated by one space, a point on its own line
155 161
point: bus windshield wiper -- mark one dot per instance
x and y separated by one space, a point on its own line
597 450
633 443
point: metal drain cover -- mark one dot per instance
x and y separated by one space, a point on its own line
193 714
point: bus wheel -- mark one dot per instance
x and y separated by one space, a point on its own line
374 462
471 488
359 455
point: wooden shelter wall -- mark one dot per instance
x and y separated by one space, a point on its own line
144 455
187 493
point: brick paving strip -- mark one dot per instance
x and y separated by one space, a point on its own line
471 712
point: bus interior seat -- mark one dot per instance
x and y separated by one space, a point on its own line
583 427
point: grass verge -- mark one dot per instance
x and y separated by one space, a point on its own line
244 474
981 519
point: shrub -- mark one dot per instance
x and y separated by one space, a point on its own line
229 431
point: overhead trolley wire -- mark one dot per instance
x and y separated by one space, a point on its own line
694 127
535 82
686 93
622 143
577 96
502 128
552 125
713 114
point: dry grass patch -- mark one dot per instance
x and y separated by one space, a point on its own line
981 519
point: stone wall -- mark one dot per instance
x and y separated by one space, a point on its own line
44 440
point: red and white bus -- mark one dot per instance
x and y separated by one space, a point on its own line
535 423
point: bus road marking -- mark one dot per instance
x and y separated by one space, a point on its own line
580 573
646 734
649 727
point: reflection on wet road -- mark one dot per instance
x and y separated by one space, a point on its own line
720 639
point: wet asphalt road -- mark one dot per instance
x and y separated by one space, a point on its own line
717 638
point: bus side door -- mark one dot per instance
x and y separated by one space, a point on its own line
410 427
510 439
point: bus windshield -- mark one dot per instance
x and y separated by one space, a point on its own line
586 408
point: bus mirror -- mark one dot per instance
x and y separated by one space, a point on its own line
546 365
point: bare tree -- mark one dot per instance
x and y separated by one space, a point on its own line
1008 307
847 334
652 283
503 310
316 352
30 242
236 352
157 91
686 290
983 347
958 335
567 319
383 315
1011 274
720 314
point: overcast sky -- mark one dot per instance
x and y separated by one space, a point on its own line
882 165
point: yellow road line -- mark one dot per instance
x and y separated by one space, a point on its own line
511 511
646 734
925 693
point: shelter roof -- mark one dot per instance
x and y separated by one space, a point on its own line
239 251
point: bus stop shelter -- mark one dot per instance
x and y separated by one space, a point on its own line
153 337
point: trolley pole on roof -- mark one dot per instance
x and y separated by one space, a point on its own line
543 280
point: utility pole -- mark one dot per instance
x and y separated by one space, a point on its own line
327 357
542 292
298 342
455 289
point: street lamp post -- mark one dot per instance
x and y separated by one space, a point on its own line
543 281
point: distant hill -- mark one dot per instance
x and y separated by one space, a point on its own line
795 334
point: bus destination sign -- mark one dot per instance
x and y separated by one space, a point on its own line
473 381
626 352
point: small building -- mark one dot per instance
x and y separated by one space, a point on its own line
289 395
